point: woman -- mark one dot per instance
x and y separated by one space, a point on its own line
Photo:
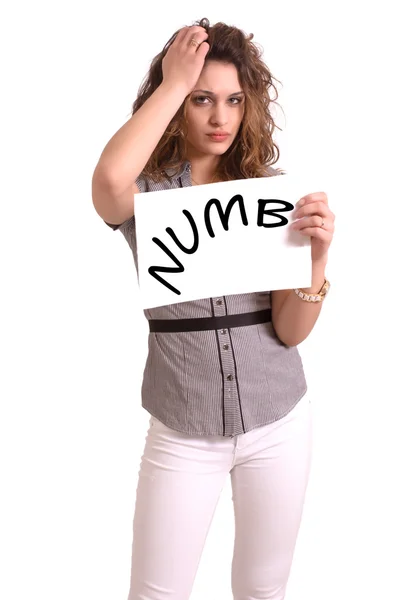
223 382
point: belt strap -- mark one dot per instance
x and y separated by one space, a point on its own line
206 323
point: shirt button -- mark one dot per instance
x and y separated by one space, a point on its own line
225 347
219 302
229 377
223 331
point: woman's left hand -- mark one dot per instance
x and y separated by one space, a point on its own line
317 221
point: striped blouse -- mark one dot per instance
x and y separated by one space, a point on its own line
215 382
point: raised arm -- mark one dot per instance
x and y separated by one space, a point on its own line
128 151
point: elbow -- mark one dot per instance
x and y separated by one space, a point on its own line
292 342
285 336
101 176
284 339
289 343
287 340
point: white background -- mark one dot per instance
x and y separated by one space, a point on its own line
74 339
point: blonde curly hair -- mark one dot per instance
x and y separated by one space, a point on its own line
253 149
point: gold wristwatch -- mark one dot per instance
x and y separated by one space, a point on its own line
314 297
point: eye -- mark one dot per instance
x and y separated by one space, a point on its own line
199 98
238 100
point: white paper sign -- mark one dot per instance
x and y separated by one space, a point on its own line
217 239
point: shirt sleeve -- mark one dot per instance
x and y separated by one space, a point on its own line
273 171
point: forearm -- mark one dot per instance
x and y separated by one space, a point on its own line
296 317
128 151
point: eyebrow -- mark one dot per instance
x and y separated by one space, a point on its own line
212 93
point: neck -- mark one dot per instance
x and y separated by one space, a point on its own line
203 169
203 166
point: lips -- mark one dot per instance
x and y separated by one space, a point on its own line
218 136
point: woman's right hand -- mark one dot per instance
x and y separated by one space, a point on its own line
184 61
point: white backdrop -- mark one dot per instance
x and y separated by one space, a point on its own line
73 336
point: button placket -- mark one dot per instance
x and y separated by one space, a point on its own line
226 339
219 307
231 403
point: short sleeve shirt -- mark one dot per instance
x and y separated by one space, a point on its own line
216 382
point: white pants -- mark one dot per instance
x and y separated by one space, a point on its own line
181 478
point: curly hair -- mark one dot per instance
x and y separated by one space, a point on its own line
253 149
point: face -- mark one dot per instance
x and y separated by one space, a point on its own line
216 105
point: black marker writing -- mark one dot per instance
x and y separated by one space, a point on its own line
195 235
224 217
180 268
272 212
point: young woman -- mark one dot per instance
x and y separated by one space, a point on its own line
223 382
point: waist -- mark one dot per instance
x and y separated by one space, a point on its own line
209 323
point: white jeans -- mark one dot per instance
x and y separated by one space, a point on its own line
181 478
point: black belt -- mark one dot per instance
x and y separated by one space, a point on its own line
204 323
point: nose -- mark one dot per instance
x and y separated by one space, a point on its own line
219 115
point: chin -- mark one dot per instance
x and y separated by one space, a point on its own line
217 149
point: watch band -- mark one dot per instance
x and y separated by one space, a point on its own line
318 297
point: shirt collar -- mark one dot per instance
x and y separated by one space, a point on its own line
185 168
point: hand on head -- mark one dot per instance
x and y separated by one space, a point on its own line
184 60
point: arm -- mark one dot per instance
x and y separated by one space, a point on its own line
293 319
130 148
122 160
128 151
